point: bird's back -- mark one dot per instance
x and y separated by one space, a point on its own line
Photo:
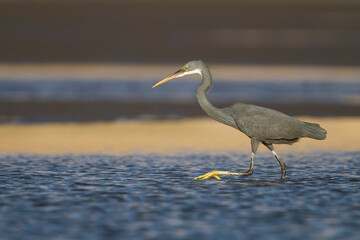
271 126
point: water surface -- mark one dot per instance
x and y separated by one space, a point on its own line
155 197
181 90
31 100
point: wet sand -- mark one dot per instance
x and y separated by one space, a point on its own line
150 72
175 136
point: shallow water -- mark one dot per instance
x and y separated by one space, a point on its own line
34 101
296 92
155 197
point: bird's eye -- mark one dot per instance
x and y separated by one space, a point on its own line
185 68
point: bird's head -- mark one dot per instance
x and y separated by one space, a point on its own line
193 67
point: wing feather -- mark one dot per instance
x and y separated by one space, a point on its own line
266 124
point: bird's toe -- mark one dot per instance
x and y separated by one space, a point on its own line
209 175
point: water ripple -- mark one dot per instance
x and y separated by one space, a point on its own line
154 197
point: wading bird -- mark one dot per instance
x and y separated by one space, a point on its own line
261 125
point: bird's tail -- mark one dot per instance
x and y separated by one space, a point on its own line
313 130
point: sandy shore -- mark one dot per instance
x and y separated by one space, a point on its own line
144 72
180 136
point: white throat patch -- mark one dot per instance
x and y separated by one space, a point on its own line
195 71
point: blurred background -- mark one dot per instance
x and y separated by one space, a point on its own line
250 32
88 150
90 60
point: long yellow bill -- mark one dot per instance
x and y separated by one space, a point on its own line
175 75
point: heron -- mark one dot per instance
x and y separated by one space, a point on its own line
260 124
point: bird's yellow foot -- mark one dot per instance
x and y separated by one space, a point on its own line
209 175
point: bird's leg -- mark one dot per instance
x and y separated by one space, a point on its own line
282 164
254 146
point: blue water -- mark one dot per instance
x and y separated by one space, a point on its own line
275 92
155 197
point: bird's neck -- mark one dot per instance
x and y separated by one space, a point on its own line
215 113
205 85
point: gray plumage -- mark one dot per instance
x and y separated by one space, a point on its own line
261 125
270 126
